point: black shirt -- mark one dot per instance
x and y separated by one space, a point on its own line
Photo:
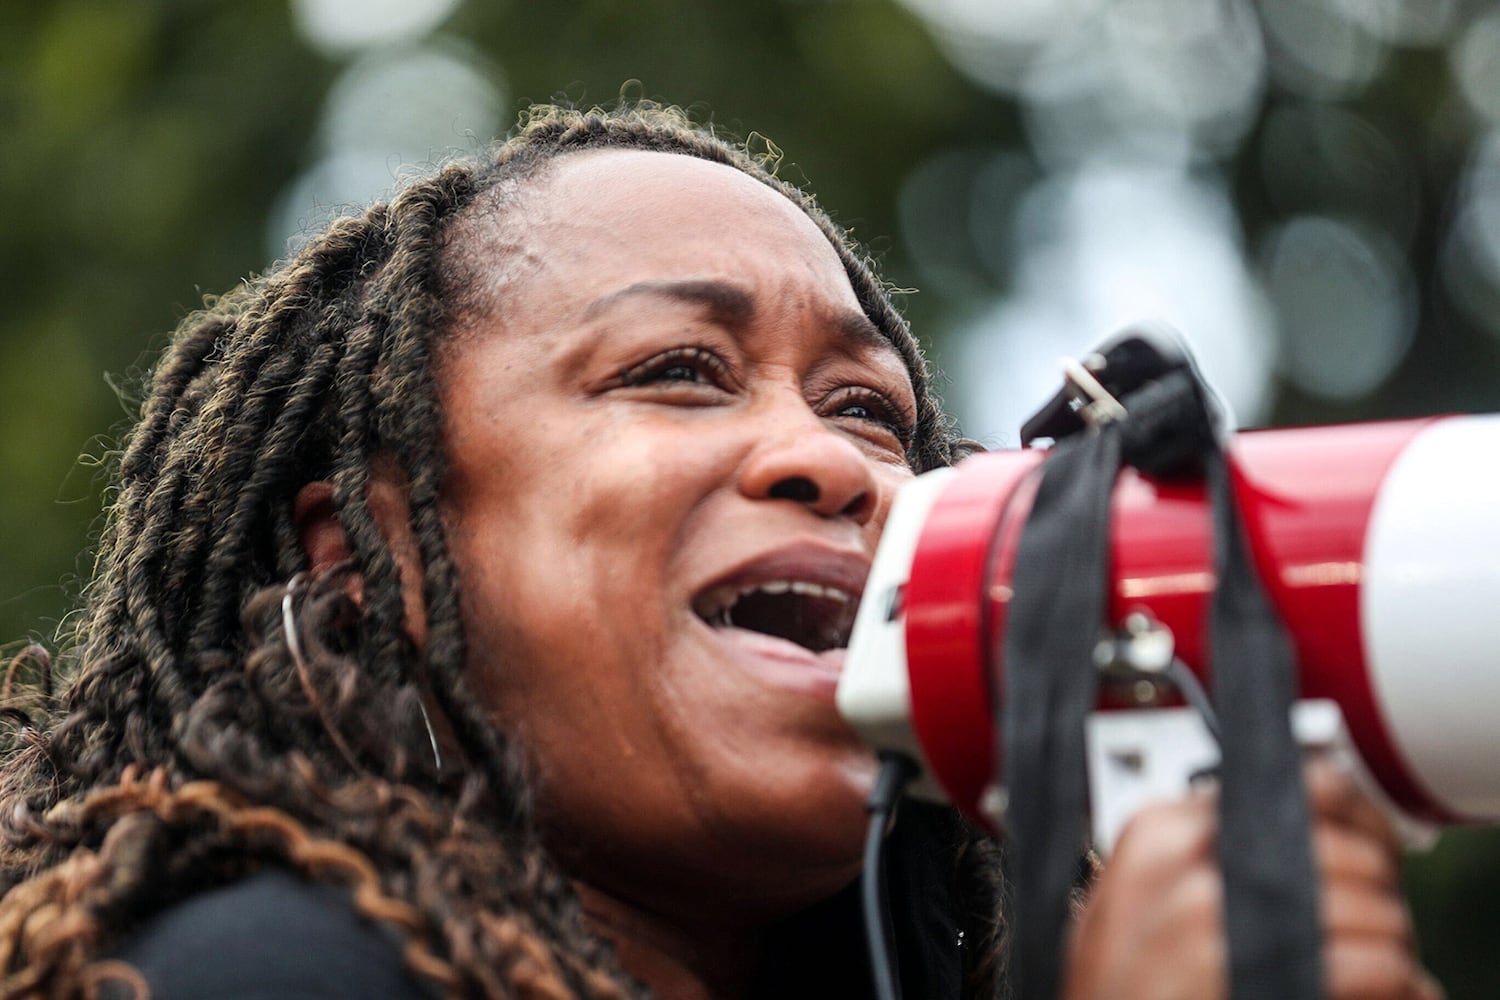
270 936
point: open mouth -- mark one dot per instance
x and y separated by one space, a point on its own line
815 616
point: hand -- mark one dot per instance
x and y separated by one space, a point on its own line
1152 928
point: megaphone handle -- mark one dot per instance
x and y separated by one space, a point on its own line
1140 756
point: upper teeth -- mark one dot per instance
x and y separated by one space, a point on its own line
720 601
799 587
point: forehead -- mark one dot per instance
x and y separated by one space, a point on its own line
598 221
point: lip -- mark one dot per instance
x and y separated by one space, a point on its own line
828 567
780 662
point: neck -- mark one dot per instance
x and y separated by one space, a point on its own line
678 960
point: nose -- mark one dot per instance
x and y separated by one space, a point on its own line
814 465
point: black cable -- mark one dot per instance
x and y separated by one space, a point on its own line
1183 680
896 772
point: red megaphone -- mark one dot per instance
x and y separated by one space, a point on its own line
1378 543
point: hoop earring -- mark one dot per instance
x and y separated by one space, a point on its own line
293 637
304 676
289 623
437 758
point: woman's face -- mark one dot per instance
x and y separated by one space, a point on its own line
674 437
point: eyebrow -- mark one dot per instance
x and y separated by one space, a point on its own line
731 305
725 302
860 329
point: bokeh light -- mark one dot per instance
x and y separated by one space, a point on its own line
1476 66
940 228
1405 22
392 109
1317 51
1199 67
339 27
1345 304
992 43
1317 157
1471 254
1101 249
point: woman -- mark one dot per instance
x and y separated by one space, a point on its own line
470 605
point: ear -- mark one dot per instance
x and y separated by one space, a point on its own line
318 527
327 544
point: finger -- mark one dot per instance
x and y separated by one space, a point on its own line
1164 837
1334 795
1187 903
1166 942
1345 854
1353 911
1361 969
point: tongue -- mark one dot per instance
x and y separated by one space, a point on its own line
810 622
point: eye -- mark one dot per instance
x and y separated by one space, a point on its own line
680 365
861 412
875 410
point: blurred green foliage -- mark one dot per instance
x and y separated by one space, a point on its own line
145 143
142 145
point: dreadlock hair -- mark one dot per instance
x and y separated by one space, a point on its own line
187 746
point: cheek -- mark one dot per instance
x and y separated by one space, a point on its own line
570 596
576 693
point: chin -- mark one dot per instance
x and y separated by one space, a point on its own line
805 839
